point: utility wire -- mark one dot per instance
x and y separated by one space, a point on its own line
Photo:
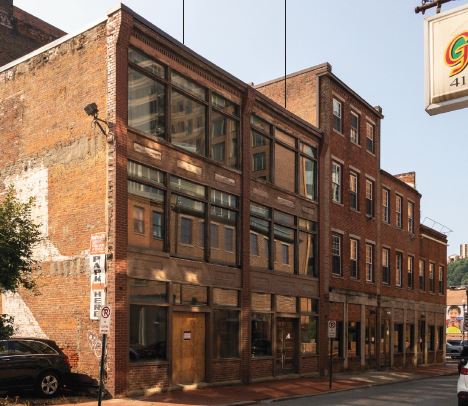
285 96
183 22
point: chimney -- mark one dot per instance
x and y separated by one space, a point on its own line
409 178
6 13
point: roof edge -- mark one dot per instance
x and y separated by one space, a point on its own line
384 172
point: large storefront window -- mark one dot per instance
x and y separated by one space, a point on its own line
409 338
337 343
261 335
398 338
370 340
260 225
284 240
354 339
309 326
148 320
226 333
147 113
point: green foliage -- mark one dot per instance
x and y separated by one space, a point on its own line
458 273
18 236
6 326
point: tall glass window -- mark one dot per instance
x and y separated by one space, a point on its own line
336 182
354 190
336 254
308 172
307 248
226 334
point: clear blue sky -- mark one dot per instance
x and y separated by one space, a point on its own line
375 46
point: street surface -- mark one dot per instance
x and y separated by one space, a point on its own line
439 391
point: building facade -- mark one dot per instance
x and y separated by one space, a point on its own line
235 228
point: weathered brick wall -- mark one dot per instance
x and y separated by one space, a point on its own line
21 33
225 370
50 151
145 376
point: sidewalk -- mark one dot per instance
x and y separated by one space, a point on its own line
280 389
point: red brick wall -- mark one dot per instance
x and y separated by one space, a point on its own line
261 368
21 33
45 129
146 376
225 370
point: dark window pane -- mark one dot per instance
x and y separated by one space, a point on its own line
148 332
224 136
145 62
144 172
157 225
188 123
191 295
261 335
223 199
149 192
225 105
261 156
146 104
226 334
187 85
354 339
147 291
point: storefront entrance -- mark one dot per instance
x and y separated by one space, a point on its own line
385 340
286 345
188 348
422 342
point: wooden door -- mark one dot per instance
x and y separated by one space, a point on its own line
286 342
188 348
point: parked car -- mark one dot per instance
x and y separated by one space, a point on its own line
33 363
455 347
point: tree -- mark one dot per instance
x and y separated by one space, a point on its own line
458 273
18 236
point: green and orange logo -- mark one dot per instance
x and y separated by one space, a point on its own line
456 55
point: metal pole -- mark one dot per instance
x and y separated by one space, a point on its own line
101 371
435 3
330 372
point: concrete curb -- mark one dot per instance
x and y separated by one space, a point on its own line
370 385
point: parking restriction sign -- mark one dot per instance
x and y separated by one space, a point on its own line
331 329
104 321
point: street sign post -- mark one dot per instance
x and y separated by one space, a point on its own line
104 328
331 336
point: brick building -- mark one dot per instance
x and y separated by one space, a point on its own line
235 228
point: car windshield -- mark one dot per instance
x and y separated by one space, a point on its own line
30 347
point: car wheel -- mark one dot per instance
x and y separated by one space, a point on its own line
48 384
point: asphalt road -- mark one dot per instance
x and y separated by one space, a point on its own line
440 391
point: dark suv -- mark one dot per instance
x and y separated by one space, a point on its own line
32 363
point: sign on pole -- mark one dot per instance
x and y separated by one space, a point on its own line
97 266
331 329
446 61
105 320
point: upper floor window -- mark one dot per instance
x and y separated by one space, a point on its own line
336 182
280 158
337 115
276 237
385 266
354 257
148 85
411 217
385 205
431 277
370 136
336 253
369 263
369 198
441 279
422 274
410 272
354 190
398 268
398 211
354 130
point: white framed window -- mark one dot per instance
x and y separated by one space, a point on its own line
336 182
411 217
354 257
398 212
354 190
369 198
386 205
369 263
354 128
398 268
370 136
336 253
410 272
385 266
337 116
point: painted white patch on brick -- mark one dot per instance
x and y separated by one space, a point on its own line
25 323
34 182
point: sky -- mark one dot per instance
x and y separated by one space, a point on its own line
376 47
